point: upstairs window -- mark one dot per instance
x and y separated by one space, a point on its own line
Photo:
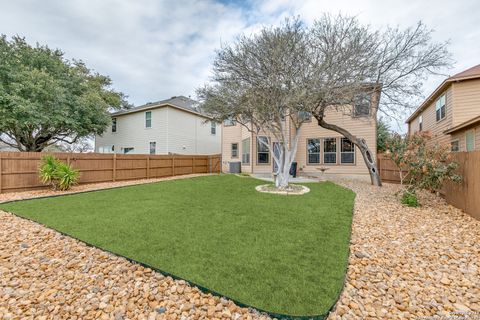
230 121
420 123
440 108
347 151
234 150
263 153
114 124
304 116
313 150
246 151
148 119
330 150
213 127
362 102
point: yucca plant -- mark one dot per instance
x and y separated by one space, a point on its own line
47 170
57 173
65 176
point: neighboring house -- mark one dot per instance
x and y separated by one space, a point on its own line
318 148
172 126
452 112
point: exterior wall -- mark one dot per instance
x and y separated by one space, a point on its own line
190 134
460 136
362 126
173 130
131 133
430 122
466 98
231 134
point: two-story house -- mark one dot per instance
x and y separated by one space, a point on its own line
318 148
172 126
452 112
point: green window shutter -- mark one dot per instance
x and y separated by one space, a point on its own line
470 140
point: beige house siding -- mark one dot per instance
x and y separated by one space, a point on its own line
362 127
461 137
466 100
430 123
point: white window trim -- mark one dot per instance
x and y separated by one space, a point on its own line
330 152
146 112
319 153
443 96
354 153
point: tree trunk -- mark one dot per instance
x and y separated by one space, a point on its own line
370 161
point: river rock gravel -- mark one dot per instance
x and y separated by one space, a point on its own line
410 263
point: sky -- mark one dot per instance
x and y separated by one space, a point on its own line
153 50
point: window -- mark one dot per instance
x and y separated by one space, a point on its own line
440 108
114 124
470 140
330 150
455 146
148 119
213 127
230 121
313 151
153 147
420 123
246 151
106 149
234 150
263 154
304 116
128 150
347 151
361 107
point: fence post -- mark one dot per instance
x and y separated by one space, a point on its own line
173 166
193 164
148 167
114 174
1 168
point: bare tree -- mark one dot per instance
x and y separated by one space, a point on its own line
394 61
259 82
337 64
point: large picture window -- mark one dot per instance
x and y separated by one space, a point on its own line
330 150
440 108
313 150
263 153
246 151
347 151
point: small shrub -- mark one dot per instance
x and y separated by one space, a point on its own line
47 170
65 176
409 199
57 174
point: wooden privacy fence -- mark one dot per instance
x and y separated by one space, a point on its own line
19 170
466 194
388 169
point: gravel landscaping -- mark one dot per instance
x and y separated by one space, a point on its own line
410 263
404 263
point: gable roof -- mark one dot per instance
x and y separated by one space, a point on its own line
470 73
178 102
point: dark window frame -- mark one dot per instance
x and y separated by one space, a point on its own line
349 152
154 147
213 128
114 125
263 152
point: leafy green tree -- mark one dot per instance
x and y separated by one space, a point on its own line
383 135
47 99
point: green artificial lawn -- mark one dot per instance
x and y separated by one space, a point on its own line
282 254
